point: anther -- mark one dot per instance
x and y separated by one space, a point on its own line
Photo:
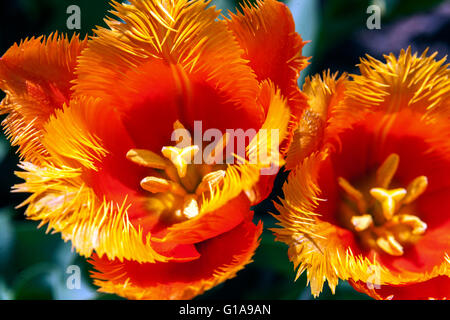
387 171
178 125
418 226
415 189
362 223
158 185
390 245
147 158
354 194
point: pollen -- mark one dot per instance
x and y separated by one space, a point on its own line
383 217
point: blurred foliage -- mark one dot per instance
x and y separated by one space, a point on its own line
343 23
33 264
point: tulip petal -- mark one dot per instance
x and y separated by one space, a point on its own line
211 224
435 289
221 257
169 65
266 32
399 107
36 76
313 132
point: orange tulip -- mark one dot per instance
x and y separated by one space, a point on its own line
367 199
100 159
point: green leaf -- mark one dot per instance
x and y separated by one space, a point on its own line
34 283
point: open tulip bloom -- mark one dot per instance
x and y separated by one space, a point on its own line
110 134
146 146
368 196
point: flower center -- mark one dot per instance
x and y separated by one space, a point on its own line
384 218
178 186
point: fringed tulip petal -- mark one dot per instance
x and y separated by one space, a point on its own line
434 289
266 32
151 165
36 76
221 257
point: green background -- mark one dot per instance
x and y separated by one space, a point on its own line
33 264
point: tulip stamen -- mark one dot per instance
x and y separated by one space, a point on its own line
387 171
353 193
390 245
363 222
179 183
159 185
415 189
382 216
147 158
418 226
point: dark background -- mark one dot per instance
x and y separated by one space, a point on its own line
33 264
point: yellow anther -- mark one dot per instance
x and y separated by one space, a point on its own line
147 159
190 209
417 225
155 185
387 171
353 194
389 199
180 157
363 222
387 223
158 185
178 125
415 189
210 180
390 245
185 136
